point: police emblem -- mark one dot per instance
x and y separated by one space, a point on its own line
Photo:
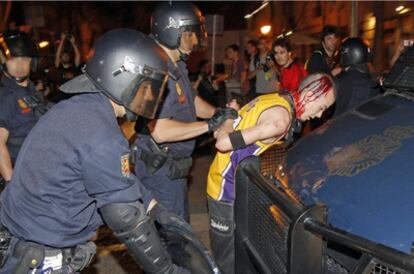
23 106
126 172
365 153
172 24
181 97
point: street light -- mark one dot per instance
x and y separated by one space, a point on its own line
262 6
404 10
265 29
43 44
399 8
289 33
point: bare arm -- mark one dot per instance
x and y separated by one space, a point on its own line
197 82
397 53
271 126
203 109
5 160
243 76
76 50
59 50
252 74
168 130
252 70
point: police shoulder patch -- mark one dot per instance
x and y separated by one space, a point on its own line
23 106
126 172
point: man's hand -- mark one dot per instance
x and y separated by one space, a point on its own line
233 104
336 71
220 116
162 216
72 39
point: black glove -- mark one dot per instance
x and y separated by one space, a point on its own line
166 218
221 115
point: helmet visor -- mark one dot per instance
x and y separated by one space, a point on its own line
146 95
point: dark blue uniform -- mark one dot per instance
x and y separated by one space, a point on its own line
74 161
178 105
16 115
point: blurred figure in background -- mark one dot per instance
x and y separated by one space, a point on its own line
237 85
252 53
324 59
67 67
403 45
205 84
259 70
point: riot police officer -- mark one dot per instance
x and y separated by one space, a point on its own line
165 146
20 104
73 169
354 84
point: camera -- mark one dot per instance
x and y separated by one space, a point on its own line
68 34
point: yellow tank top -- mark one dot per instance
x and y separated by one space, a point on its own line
220 179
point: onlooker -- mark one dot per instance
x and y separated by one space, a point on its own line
324 59
67 67
403 45
237 84
206 86
41 78
292 72
252 52
266 81
271 70
354 84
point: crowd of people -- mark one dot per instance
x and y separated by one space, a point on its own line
65 167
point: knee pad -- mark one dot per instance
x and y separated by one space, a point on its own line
134 228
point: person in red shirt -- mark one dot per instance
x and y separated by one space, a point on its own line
292 71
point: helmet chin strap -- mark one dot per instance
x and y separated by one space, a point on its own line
183 56
20 79
132 117
17 79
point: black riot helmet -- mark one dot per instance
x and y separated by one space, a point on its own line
17 44
353 51
128 67
170 19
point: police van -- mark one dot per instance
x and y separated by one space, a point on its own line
342 200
